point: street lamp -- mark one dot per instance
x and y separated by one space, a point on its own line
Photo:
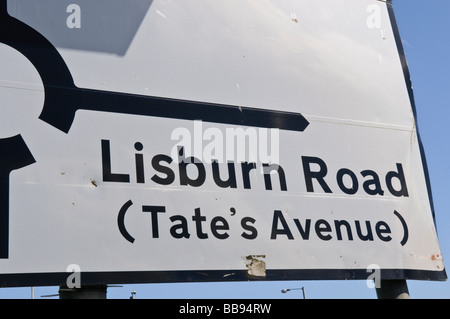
289 289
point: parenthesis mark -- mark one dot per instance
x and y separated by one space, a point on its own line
405 228
233 211
121 221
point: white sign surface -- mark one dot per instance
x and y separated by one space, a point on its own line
209 140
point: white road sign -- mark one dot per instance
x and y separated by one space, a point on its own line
162 141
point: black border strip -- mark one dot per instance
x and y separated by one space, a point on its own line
409 87
135 277
408 83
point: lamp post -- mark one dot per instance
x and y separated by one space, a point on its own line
289 289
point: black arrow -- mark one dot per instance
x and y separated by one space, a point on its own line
59 110
63 98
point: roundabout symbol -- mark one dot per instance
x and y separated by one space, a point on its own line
63 98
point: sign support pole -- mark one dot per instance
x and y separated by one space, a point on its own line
84 292
393 289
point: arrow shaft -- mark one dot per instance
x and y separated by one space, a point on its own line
115 102
15 155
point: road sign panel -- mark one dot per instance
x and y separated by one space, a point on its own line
207 143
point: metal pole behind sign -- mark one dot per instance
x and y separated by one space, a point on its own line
84 292
393 289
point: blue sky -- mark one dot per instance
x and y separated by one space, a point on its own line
424 28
